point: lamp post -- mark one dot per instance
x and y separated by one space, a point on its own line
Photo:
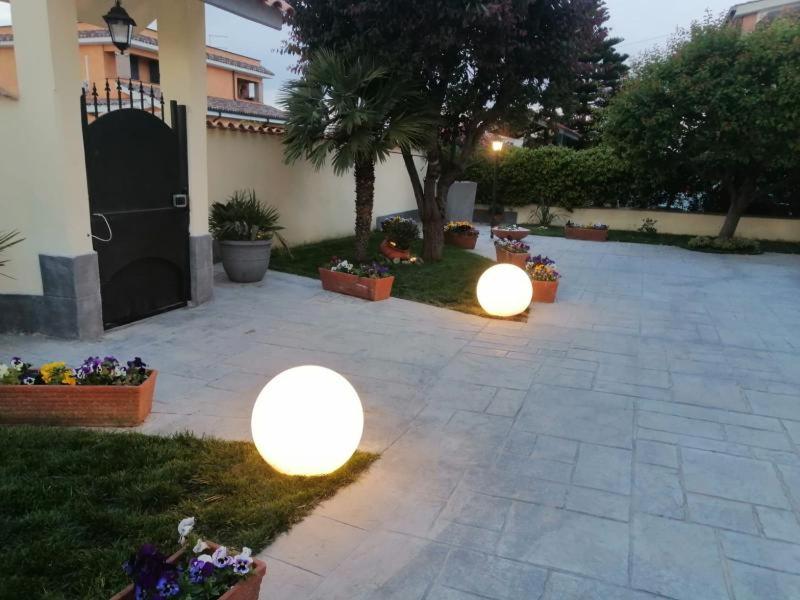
497 147
120 26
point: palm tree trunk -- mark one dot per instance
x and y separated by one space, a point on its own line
365 197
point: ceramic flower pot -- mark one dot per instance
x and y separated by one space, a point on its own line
247 589
245 262
392 252
545 291
589 234
81 405
515 258
511 234
366 288
461 240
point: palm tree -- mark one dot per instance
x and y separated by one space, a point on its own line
357 112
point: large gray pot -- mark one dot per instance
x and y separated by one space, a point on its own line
245 262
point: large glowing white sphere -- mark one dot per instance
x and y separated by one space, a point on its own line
307 421
505 290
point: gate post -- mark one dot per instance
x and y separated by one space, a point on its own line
182 62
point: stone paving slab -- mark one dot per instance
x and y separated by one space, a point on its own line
638 439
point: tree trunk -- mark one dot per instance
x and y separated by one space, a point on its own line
740 197
365 197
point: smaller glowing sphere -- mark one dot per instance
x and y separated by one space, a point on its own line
497 146
505 290
307 421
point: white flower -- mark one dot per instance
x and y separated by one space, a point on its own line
3 370
220 557
185 528
199 547
205 558
245 553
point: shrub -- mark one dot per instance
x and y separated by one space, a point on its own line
402 232
648 226
732 245
243 218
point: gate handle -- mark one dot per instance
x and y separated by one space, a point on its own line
108 226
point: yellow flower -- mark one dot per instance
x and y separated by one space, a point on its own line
56 373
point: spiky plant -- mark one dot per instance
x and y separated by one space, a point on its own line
8 239
243 218
357 113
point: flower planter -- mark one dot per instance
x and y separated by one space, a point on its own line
515 258
393 252
589 234
246 590
352 285
511 234
245 262
461 240
82 405
545 291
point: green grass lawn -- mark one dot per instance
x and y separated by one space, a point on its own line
449 283
74 504
663 239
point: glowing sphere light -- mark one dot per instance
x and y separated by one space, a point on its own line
307 421
504 290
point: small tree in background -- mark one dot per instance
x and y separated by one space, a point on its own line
720 107
357 113
479 62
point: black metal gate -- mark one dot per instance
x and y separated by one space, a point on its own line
136 169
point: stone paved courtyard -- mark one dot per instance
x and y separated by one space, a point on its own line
638 439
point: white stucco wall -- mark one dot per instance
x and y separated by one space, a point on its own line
314 205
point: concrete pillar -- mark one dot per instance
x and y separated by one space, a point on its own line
182 61
59 291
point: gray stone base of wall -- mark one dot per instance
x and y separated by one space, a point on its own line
69 306
201 268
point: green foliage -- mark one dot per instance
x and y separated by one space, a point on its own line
243 218
403 232
8 239
555 176
350 108
717 113
728 245
648 226
75 504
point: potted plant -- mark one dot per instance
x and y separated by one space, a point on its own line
99 393
544 277
512 251
400 234
244 229
593 232
461 234
209 571
368 281
510 232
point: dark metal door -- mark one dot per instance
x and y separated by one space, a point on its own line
136 171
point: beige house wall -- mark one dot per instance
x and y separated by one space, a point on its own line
314 205
761 228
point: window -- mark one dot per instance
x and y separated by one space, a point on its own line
247 90
134 67
155 73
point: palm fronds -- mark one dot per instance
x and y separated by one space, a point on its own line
8 239
242 217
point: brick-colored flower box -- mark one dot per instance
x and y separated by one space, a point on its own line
545 291
461 240
515 258
511 234
80 405
589 234
246 590
393 252
352 285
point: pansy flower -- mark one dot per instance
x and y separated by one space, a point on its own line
199 569
221 558
242 562
17 363
28 380
167 585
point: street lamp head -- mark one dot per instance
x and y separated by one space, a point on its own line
497 146
120 26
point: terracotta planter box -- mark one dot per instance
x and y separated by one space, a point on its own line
518 234
392 252
461 240
246 590
515 258
586 233
360 287
81 405
545 291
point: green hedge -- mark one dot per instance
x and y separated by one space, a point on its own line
555 175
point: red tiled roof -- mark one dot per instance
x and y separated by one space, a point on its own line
245 126
281 5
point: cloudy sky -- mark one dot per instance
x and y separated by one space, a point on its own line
642 23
